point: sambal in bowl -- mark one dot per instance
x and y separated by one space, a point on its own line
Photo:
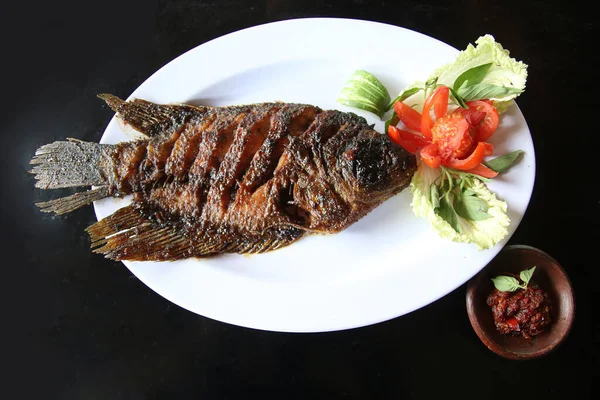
521 305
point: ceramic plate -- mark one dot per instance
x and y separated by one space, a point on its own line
389 263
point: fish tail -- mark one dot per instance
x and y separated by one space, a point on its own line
73 163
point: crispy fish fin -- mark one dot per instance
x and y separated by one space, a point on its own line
149 118
69 203
269 240
130 234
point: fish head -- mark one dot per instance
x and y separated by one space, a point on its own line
372 168
361 172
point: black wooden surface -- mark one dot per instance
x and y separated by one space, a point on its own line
77 326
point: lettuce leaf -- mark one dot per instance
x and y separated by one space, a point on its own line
504 71
485 233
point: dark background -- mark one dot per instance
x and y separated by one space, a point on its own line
77 326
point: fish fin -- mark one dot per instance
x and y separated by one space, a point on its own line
72 163
128 234
149 118
131 234
67 204
271 239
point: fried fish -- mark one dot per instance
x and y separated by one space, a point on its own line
212 180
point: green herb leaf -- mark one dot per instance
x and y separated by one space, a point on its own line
526 275
447 213
430 86
506 283
481 91
393 120
435 195
509 284
458 99
472 76
470 207
403 96
502 163
365 92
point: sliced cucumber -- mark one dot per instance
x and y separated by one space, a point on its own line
365 92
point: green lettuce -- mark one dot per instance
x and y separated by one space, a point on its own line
504 72
485 233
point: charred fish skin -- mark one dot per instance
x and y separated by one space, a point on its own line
211 180
354 171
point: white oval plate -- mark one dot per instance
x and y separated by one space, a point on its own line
389 263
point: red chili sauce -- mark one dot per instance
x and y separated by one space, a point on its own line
523 312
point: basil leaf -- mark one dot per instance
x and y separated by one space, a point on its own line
472 208
481 91
403 96
435 195
526 275
472 76
506 283
502 163
458 99
447 213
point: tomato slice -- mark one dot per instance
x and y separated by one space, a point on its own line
408 115
430 155
439 101
453 135
395 136
407 140
440 106
485 124
484 171
473 160
488 148
418 139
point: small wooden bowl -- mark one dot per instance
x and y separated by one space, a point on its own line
549 276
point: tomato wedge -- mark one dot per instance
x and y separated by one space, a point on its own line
440 106
489 148
408 140
455 140
484 171
439 101
485 124
453 135
408 115
430 155
473 160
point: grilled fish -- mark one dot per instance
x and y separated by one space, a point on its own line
212 180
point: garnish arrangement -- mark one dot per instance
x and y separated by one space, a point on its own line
447 121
